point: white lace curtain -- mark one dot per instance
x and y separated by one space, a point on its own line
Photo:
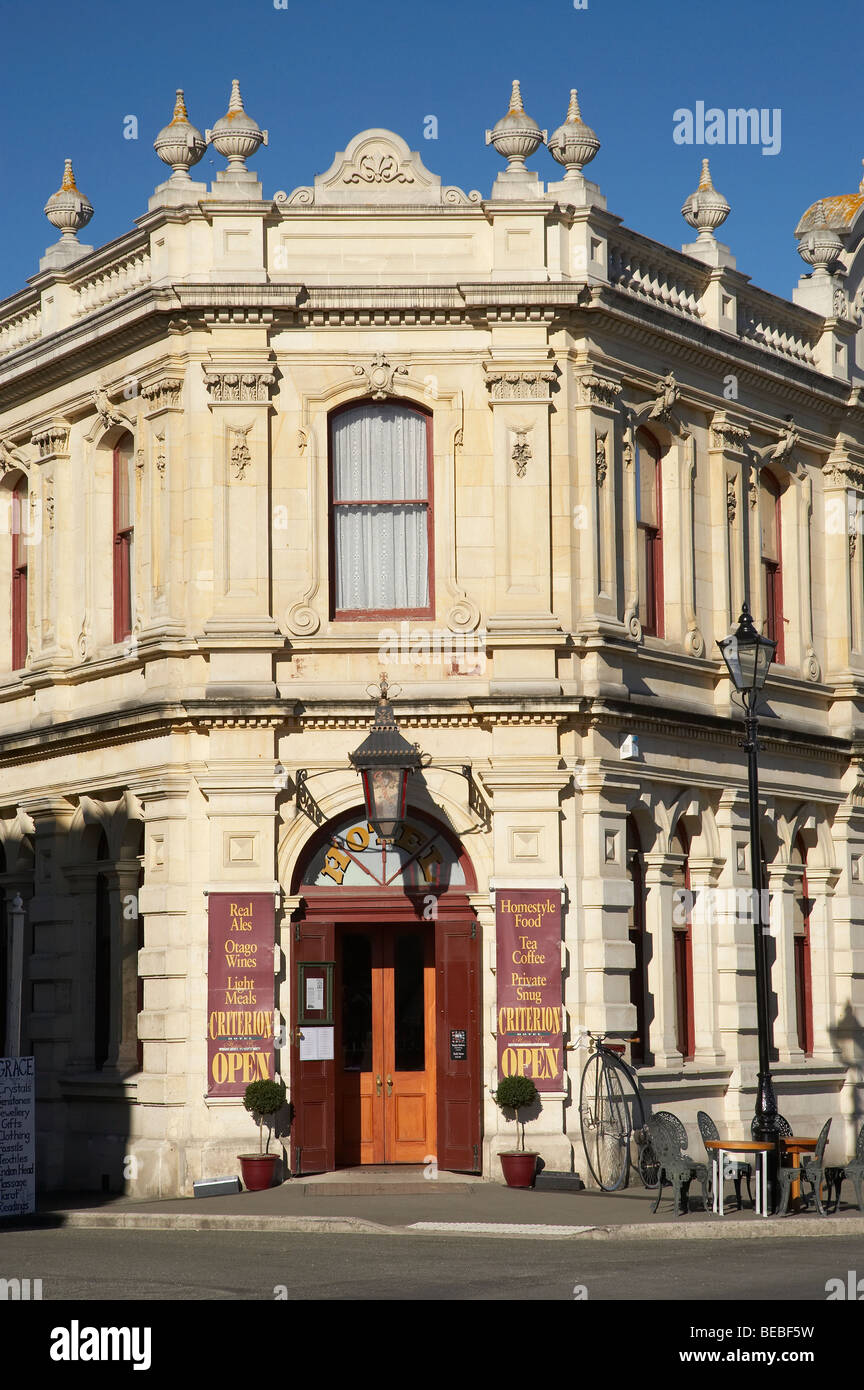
381 546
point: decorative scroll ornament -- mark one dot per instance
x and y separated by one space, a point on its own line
782 451
853 540
10 458
228 387
108 416
600 458
599 390
521 453
731 500
377 166
160 455
668 395
240 455
379 376
49 505
139 459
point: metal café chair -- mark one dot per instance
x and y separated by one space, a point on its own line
810 1170
736 1168
854 1170
675 1167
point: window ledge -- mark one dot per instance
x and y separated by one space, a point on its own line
99 1085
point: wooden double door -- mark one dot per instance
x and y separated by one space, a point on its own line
385 1043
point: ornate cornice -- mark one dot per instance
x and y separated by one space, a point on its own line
52 439
599 390
239 385
163 394
518 383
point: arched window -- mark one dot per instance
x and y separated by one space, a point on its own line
801 938
640 1050
19 576
381 511
649 539
685 1028
772 563
124 535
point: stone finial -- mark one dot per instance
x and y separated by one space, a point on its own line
706 209
822 246
68 209
516 136
236 135
574 143
179 143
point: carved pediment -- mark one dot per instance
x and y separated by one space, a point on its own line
377 166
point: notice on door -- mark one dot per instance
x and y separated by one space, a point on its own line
530 1000
240 991
17 1136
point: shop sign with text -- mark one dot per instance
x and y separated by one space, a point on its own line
530 1005
240 991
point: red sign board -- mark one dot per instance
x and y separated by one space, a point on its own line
530 1011
240 991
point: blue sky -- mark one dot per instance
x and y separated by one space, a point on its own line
316 73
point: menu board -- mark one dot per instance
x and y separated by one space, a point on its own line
240 991
17 1136
530 1002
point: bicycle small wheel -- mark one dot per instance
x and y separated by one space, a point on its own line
648 1167
605 1121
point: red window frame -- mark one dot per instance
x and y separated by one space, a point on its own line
773 571
685 1020
652 539
123 537
19 579
803 979
375 614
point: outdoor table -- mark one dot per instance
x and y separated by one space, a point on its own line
796 1145
721 1147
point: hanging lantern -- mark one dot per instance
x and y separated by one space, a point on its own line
747 655
385 760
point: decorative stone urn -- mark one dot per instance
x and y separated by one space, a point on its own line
68 209
236 135
820 247
706 209
179 143
574 143
516 136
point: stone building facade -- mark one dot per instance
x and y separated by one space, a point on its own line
595 449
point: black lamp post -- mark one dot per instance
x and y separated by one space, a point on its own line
385 761
748 655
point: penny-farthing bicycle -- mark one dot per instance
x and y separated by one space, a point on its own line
610 1114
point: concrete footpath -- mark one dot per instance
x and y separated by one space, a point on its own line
401 1202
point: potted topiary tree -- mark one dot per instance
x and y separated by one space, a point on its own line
514 1093
262 1098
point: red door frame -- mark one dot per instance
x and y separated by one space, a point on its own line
457 1006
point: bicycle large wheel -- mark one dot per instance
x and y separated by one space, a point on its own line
606 1124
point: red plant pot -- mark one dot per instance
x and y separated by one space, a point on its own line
257 1170
518 1169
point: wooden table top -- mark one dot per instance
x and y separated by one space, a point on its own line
796 1143
739 1145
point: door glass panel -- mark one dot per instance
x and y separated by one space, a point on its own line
356 1003
409 1020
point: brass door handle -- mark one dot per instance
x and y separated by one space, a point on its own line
377 1085
389 1085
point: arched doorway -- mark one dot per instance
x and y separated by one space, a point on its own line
385 981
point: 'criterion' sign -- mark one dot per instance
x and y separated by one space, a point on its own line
240 991
530 1032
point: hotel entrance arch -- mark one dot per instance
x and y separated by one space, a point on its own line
385 1000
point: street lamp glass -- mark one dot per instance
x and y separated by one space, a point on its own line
384 791
747 655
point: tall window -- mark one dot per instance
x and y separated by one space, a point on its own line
381 509
685 1028
801 939
649 535
640 1049
19 577
124 535
772 563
